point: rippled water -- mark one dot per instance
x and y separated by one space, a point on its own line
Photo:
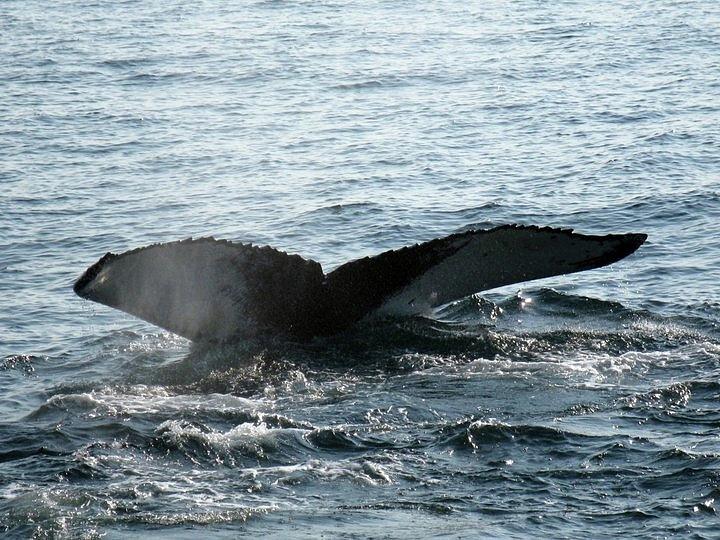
582 405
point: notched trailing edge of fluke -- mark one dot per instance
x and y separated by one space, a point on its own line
92 272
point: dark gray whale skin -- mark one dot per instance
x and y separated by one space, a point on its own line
215 290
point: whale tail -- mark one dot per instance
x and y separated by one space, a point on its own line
415 279
208 290
215 290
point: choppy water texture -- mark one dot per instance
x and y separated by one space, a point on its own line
579 406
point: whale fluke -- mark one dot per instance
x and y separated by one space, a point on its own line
216 290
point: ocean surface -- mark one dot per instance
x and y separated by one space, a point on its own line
578 406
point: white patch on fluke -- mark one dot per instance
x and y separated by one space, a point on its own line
499 257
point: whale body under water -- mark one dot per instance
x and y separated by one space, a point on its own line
217 290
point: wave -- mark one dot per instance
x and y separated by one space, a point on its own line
475 434
24 363
189 519
203 444
121 401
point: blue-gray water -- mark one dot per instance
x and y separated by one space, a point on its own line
582 406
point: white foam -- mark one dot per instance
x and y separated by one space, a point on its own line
248 435
365 473
141 399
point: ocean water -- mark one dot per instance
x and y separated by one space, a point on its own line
584 405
